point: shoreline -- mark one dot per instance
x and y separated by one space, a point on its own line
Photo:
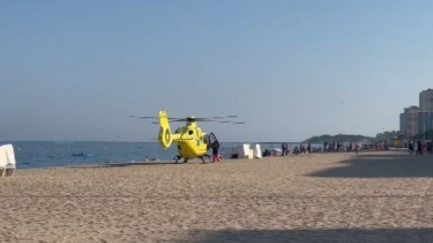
167 162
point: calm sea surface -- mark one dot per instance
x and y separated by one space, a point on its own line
48 154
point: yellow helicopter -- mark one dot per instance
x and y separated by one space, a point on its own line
192 141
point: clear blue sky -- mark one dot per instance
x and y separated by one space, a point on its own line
76 70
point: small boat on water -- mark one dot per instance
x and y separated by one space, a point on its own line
82 155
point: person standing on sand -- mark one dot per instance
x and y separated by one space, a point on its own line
419 148
283 149
215 154
287 150
429 147
410 147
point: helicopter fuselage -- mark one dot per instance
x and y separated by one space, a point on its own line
191 140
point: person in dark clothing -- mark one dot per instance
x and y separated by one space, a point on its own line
215 154
309 147
429 147
410 147
419 147
283 149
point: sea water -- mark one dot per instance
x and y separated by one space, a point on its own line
52 154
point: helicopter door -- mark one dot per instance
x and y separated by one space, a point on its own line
213 141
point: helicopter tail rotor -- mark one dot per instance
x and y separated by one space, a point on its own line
164 137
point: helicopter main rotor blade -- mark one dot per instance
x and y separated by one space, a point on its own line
144 117
152 117
194 120
191 118
224 117
232 122
185 120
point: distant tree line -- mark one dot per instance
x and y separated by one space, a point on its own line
340 138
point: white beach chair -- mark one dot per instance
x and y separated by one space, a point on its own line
3 161
10 158
257 152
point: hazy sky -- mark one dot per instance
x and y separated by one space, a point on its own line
76 70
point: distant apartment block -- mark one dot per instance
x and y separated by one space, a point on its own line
425 121
409 121
403 123
426 100
426 108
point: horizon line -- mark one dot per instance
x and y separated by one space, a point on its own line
112 141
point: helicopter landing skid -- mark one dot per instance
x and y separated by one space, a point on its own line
185 160
207 156
179 157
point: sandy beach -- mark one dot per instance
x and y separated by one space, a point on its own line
373 197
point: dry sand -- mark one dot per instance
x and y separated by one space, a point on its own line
376 197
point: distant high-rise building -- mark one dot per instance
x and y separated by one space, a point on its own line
425 121
425 107
426 100
403 124
409 121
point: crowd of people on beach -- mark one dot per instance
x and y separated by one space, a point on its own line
328 147
421 147
338 147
